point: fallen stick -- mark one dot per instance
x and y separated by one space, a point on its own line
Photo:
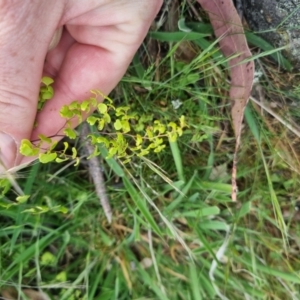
95 171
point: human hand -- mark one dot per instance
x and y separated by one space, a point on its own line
97 44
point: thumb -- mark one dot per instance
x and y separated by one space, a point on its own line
8 144
24 41
8 151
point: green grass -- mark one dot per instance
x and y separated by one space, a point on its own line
175 233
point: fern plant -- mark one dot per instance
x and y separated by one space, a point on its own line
131 135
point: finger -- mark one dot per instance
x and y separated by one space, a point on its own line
56 56
98 62
23 48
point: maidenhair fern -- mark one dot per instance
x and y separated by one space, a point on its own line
129 134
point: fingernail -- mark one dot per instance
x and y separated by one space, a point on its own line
8 151
56 38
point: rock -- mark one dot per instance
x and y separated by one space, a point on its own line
278 22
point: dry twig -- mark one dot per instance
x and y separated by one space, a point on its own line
95 172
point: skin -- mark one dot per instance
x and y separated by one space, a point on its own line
97 44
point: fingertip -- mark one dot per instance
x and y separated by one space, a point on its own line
8 151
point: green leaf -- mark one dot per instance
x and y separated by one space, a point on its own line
66 113
37 210
74 153
195 283
22 199
45 139
149 132
213 225
47 157
61 277
66 146
106 118
47 93
252 122
52 147
199 213
176 36
85 105
69 132
4 186
93 101
172 137
255 40
141 205
182 26
74 105
179 131
47 80
101 124
159 148
143 152
114 165
118 125
120 111
60 209
60 160
92 120
28 149
125 126
159 127
103 140
189 79
46 96
182 122
214 186
245 209
177 157
138 140
77 161
48 259
107 98
102 108
112 152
